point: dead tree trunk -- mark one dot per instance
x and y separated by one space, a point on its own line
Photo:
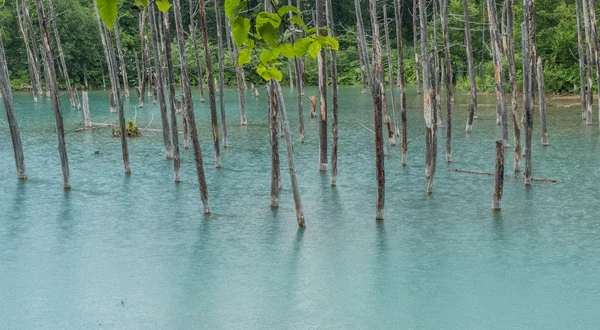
499 177
11 115
196 51
87 119
471 68
401 82
543 128
322 68
512 70
498 67
239 75
363 63
172 98
416 43
211 85
60 130
34 47
221 73
61 55
122 61
437 82
141 90
428 99
189 106
590 62
298 71
273 124
31 63
391 75
159 83
582 61
448 80
106 56
334 100
137 68
594 35
527 88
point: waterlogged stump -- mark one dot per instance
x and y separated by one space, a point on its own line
499 177
313 106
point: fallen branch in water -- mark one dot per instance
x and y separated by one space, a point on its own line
506 176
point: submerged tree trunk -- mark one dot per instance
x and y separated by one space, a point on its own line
512 70
34 48
31 63
527 86
87 120
221 73
61 55
211 85
428 99
401 82
543 128
107 58
141 91
437 83
594 35
122 61
499 177
11 116
239 75
498 67
159 83
471 68
196 52
171 82
416 42
189 106
590 63
582 61
448 80
334 100
273 123
391 75
60 130
298 71
322 68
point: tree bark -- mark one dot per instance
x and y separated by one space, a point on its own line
61 56
512 70
298 71
363 63
196 51
322 69
60 130
401 80
471 68
590 62
172 98
543 128
34 48
594 35
188 104
391 75
428 99
122 60
448 75
11 116
31 62
437 83
159 83
334 100
144 51
87 120
211 85
221 73
416 43
498 67
112 91
239 75
273 123
582 62
499 177
527 87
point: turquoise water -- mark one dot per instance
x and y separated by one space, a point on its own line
136 252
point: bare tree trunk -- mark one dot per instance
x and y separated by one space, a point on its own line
122 61
172 98
196 52
499 177
334 93
60 130
590 62
34 47
543 128
142 85
391 74
298 70
61 55
188 104
211 85
159 84
471 67
437 82
527 87
322 69
363 63
273 123
428 99
498 67
290 156
137 68
31 63
416 43
401 82
221 73
512 70
448 80
11 116
112 91
87 120
582 62
594 35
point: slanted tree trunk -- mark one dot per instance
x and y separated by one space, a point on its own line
60 130
298 70
416 43
582 62
499 177
34 48
11 116
159 83
471 68
334 100
47 72
401 81
221 73
273 124
322 69
527 87
391 75
141 90
437 82
590 62
172 98
290 156
498 67
188 105
428 99
122 60
543 128
112 92
31 63
448 75
211 85
512 70
61 55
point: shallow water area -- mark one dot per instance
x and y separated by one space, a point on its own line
136 251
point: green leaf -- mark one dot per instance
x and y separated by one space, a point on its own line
263 72
328 42
275 73
268 33
301 46
163 5
287 50
266 57
108 11
286 9
230 6
314 49
267 18
244 57
240 28
298 21
141 3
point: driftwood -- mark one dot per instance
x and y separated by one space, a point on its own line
506 176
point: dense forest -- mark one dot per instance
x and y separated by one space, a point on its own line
556 41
